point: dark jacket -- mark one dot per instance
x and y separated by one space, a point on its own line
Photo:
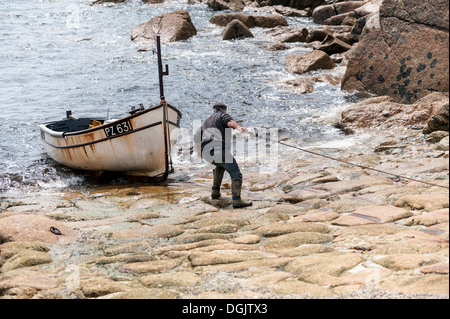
213 131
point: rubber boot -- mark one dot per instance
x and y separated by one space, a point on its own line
236 185
217 181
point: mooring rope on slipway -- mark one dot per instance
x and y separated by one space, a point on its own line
357 165
362 166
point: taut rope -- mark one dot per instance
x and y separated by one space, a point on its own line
357 165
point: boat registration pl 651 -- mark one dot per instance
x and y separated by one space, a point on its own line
118 128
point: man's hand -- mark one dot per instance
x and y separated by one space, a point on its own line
233 124
163 102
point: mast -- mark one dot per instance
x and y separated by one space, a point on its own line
162 73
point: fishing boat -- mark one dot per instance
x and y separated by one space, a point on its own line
138 145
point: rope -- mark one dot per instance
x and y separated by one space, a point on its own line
358 165
362 166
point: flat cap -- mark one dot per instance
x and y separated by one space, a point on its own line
219 106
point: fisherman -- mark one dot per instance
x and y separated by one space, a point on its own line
215 139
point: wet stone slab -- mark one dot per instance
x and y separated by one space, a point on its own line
317 230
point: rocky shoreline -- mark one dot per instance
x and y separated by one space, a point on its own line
318 228
389 48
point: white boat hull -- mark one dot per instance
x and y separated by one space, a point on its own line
138 145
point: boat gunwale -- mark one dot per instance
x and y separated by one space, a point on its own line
81 132
103 139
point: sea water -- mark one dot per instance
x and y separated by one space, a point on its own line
58 55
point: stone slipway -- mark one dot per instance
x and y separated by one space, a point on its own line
319 230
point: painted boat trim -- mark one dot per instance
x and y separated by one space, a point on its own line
52 133
106 138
